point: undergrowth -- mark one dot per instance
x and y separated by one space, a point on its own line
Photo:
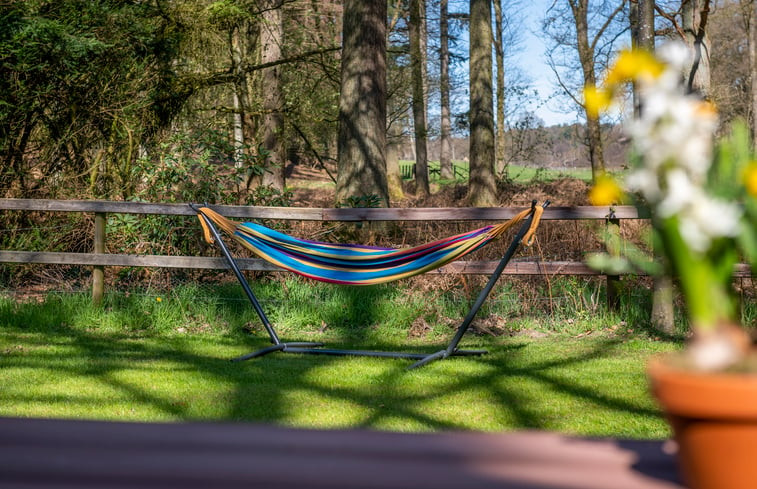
419 308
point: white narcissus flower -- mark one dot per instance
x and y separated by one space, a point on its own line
673 139
674 135
701 218
712 219
680 193
645 180
675 128
675 54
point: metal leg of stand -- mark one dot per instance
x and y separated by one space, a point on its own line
242 281
482 296
277 344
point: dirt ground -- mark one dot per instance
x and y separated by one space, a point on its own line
314 188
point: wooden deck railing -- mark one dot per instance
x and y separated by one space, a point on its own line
99 259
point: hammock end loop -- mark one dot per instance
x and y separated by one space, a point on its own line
205 231
208 213
530 236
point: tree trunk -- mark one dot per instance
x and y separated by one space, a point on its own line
694 15
663 319
753 65
239 96
482 190
662 305
271 39
393 177
580 10
445 150
417 61
361 162
646 24
635 24
499 51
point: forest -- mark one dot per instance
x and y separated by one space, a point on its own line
217 100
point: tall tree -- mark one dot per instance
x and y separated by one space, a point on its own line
694 16
418 61
749 9
445 150
646 31
482 190
361 166
643 37
728 27
634 23
499 55
239 93
271 40
580 47
393 176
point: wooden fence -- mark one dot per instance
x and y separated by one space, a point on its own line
407 171
99 259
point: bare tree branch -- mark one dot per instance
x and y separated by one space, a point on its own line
607 24
197 81
672 19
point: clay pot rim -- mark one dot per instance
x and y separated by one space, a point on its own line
698 394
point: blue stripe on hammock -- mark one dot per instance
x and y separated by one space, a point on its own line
352 272
348 255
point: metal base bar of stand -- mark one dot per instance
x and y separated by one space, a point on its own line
314 348
379 354
276 347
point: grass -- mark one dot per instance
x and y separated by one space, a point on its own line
528 174
517 173
163 356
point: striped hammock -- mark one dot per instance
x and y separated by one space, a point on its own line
358 264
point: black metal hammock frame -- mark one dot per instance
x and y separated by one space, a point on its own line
249 235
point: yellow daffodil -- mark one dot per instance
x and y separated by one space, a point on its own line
750 178
596 100
159 299
605 191
706 110
634 64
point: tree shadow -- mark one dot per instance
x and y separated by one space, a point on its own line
385 394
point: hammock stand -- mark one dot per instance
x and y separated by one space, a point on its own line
316 348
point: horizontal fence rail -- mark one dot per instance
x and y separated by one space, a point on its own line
472 267
98 260
323 214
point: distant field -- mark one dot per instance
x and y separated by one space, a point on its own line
518 174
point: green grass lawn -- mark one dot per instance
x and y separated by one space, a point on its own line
517 173
144 359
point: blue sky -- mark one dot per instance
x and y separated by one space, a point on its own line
533 62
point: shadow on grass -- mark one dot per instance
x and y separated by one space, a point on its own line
189 377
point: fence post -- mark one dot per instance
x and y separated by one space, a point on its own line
613 281
98 271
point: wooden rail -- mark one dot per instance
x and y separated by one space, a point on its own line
99 259
322 214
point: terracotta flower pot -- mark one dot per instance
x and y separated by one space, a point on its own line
714 420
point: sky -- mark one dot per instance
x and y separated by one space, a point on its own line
533 62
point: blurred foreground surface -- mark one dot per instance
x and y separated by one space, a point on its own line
36 453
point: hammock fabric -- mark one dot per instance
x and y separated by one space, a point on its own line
358 264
